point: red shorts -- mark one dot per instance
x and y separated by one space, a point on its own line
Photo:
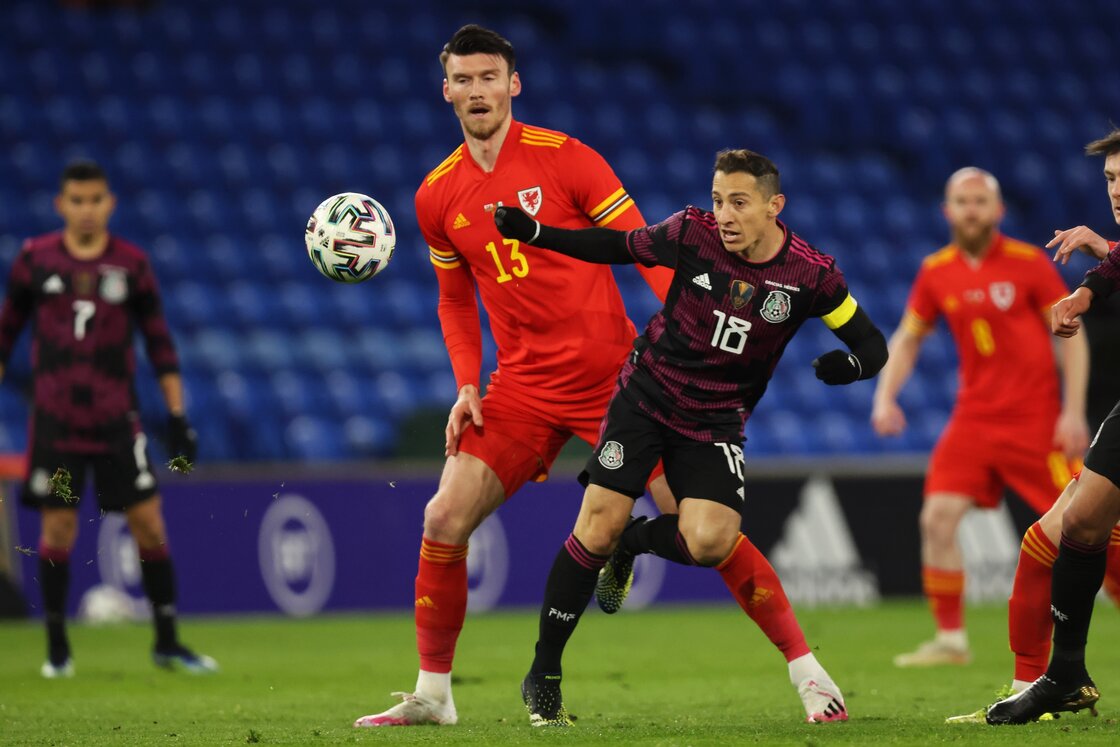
522 435
979 459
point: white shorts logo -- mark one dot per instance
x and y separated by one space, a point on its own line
611 455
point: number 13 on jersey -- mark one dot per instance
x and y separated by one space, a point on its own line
518 262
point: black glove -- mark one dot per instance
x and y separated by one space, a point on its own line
838 367
181 438
515 223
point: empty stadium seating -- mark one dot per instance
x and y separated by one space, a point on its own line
223 125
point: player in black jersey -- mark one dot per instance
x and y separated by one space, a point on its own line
86 292
1094 509
743 284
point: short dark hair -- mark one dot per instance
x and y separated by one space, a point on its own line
474 39
82 170
757 165
1106 145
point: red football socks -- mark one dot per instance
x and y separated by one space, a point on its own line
441 603
945 591
757 589
1029 625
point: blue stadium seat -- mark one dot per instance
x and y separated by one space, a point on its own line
299 391
268 350
217 349
195 305
311 438
322 350
367 436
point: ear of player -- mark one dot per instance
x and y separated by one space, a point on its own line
838 367
514 223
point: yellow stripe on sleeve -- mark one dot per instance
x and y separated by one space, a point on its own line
839 316
609 201
911 322
616 212
444 167
443 259
540 137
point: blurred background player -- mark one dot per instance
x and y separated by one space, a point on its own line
86 292
1090 520
559 324
1029 622
743 285
994 293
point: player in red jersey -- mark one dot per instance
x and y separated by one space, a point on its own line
1015 424
86 291
743 284
561 332
560 327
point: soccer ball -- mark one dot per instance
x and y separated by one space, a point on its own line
350 237
104 604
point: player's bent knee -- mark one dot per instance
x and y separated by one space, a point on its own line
450 518
599 537
710 545
1083 527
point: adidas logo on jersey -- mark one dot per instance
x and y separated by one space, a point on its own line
426 601
460 222
703 281
53 285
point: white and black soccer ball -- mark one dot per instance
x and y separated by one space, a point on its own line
350 237
104 604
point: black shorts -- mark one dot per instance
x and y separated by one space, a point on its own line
121 478
631 443
1104 453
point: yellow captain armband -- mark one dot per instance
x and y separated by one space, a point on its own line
443 259
839 316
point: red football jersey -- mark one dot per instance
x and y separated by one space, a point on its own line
559 323
997 311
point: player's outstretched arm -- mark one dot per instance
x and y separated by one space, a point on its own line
603 246
868 352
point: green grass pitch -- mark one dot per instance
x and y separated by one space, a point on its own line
670 676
